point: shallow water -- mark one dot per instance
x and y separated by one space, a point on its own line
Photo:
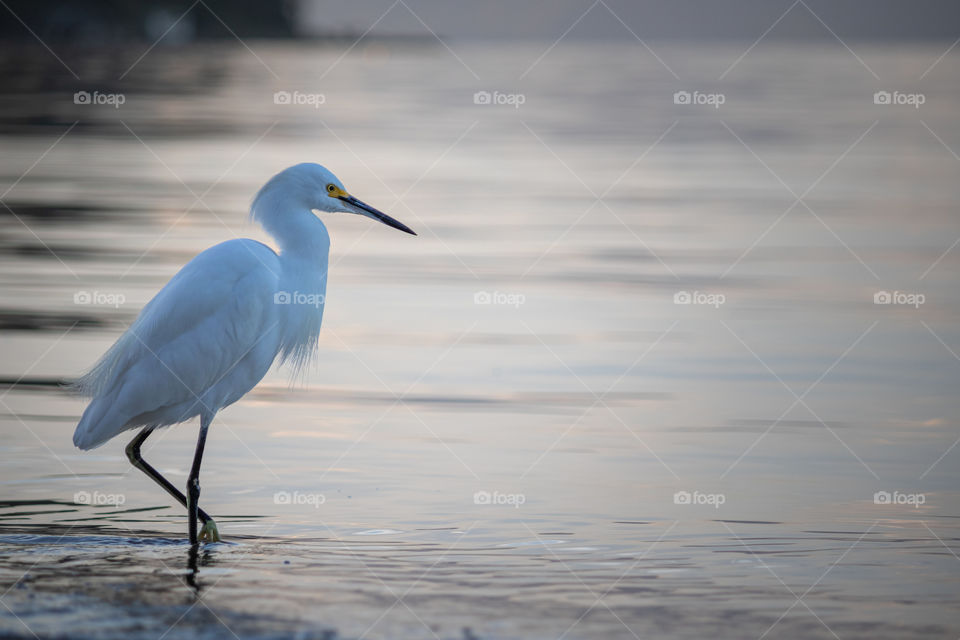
507 470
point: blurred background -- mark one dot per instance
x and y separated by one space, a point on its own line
675 351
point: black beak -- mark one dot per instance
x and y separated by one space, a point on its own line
370 212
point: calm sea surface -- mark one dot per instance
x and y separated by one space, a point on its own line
516 427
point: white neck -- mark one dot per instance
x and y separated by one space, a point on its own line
304 257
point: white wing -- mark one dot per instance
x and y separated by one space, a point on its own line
214 324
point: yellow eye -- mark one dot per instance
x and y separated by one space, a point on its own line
331 189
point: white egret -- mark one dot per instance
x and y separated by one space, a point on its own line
214 330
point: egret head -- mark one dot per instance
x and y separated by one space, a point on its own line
313 187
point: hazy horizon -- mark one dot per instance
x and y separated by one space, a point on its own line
658 19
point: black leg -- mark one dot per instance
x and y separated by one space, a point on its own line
133 454
193 480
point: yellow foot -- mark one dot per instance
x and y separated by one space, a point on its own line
209 532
